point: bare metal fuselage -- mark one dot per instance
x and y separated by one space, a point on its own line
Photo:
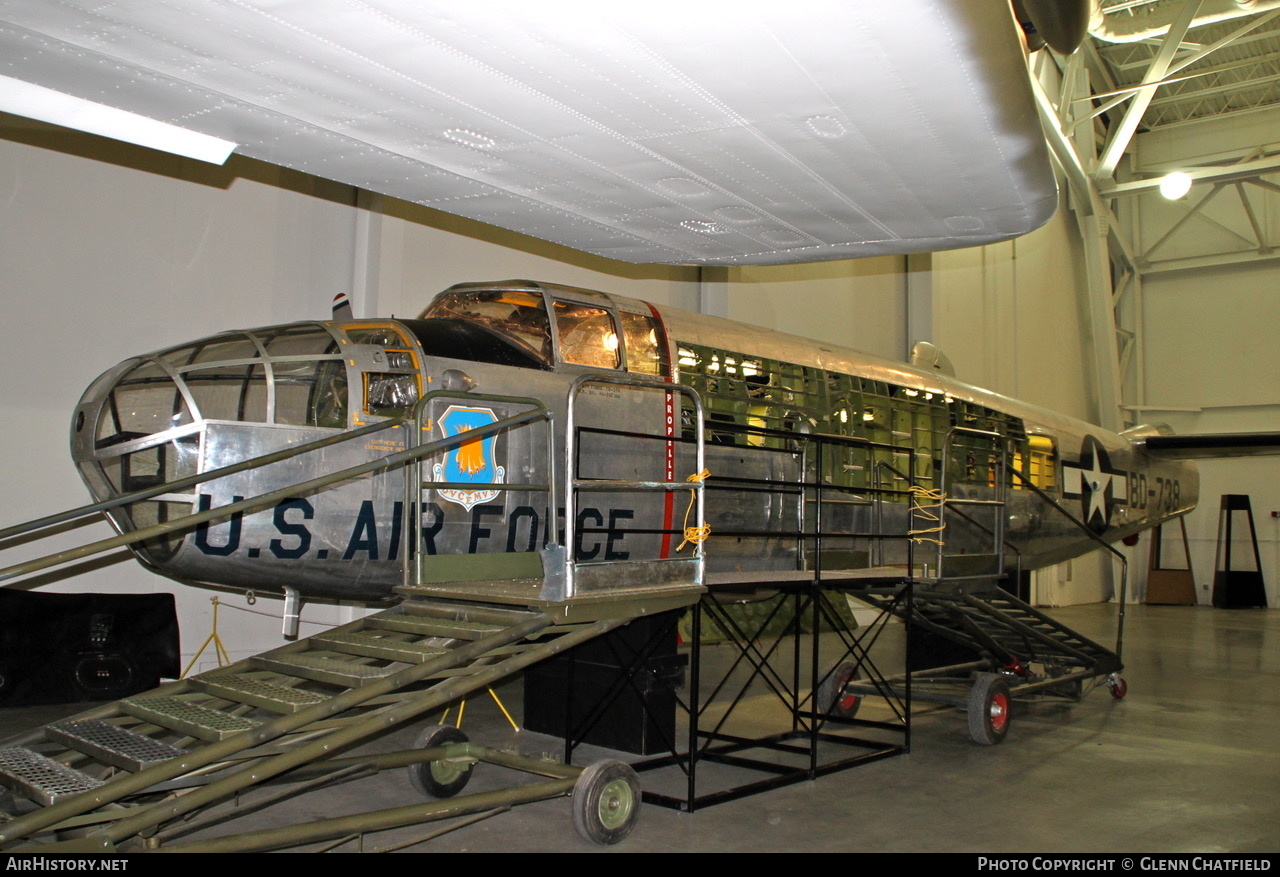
812 451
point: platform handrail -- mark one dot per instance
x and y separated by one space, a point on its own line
1124 561
415 482
1000 446
972 520
197 478
567 586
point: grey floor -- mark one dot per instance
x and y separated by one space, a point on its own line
1187 762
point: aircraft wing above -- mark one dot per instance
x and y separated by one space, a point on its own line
662 131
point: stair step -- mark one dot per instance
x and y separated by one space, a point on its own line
424 625
323 668
187 717
502 617
112 744
372 646
41 779
244 688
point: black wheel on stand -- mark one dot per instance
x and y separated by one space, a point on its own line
440 779
831 700
606 802
989 709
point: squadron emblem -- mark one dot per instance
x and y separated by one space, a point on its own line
473 461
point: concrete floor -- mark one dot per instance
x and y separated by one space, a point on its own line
1187 762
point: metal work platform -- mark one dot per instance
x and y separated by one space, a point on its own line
816 732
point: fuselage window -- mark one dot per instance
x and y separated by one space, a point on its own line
646 352
394 390
587 335
1039 464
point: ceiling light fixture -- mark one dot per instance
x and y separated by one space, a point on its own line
1173 186
46 105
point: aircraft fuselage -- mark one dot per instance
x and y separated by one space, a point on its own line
802 437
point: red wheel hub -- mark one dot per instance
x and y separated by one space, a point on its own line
998 715
849 701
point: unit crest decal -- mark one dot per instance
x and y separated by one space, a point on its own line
472 461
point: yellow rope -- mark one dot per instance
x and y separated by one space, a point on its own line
694 535
936 499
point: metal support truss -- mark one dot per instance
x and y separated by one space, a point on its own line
813 731
1090 126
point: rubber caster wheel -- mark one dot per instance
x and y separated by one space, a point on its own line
830 698
988 709
1118 687
440 779
606 802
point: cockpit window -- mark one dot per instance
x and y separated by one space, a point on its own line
383 336
300 381
145 418
515 315
646 354
301 341
229 392
223 351
587 335
145 401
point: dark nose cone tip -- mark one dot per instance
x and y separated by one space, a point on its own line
1062 24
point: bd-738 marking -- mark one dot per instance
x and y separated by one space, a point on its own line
1166 496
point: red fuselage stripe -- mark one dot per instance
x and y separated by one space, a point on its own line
668 505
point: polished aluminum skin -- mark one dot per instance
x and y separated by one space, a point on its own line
802 438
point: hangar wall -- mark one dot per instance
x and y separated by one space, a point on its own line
1211 363
110 251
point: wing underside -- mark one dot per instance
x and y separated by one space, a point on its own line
657 132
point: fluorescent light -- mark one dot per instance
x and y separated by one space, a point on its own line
1173 186
45 104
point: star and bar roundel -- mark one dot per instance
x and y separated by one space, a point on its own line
1098 484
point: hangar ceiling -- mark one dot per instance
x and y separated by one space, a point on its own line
1240 74
1196 68
1162 86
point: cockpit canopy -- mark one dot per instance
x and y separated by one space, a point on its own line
558 324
